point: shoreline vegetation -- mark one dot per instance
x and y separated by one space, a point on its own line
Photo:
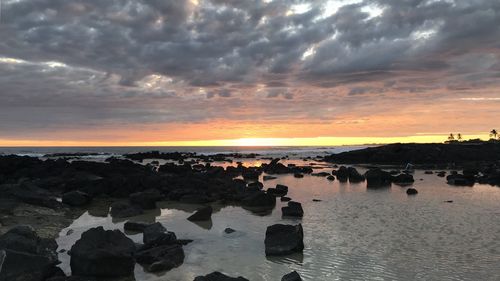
41 197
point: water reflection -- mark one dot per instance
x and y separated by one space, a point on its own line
354 233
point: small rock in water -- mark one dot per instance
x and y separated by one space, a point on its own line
294 209
202 214
229 230
429 172
135 226
448 201
317 200
69 232
297 175
292 276
411 191
285 199
441 174
282 239
156 234
330 178
217 276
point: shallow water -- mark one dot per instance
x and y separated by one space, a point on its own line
353 234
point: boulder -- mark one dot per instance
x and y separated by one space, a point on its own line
342 174
124 210
26 256
229 230
284 239
354 175
161 258
203 214
460 180
441 174
285 199
298 175
411 191
330 178
155 234
217 276
75 198
103 253
377 178
292 276
294 209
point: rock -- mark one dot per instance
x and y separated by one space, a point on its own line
229 230
298 175
376 178
448 201
294 209
428 172
411 191
284 239
285 199
202 214
320 174
124 210
293 276
403 179
135 226
267 178
103 253
250 174
26 256
197 198
260 199
155 234
317 200
217 276
342 174
330 178
75 198
441 174
460 180
161 258
354 175
255 184
279 191
146 200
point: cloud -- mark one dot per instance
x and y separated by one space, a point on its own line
87 63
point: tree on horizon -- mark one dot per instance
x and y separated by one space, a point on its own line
494 133
451 137
459 136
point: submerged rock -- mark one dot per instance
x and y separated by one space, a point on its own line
330 178
103 253
460 180
294 209
285 199
354 175
229 230
217 276
202 214
292 276
284 239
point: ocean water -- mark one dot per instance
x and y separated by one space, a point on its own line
352 234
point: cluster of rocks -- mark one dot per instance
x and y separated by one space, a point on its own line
217 276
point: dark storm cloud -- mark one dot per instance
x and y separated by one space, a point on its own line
152 60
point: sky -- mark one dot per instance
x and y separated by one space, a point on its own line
247 72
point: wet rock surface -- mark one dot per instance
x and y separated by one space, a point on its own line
282 239
217 276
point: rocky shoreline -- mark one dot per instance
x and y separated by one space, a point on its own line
49 194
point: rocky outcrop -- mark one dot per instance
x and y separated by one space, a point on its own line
26 256
103 253
284 239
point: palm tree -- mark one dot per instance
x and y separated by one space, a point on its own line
459 136
451 137
493 133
